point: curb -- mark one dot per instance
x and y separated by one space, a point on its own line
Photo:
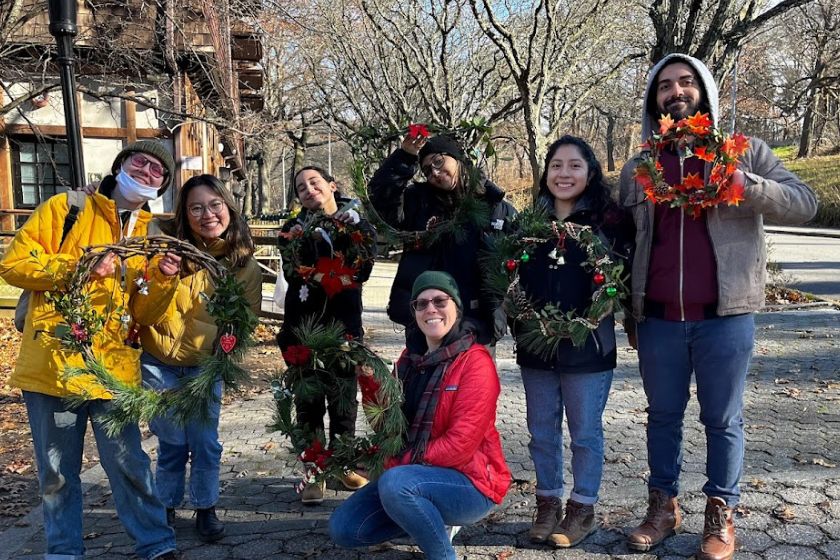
804 231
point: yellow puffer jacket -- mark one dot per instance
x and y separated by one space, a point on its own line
41 362
184 333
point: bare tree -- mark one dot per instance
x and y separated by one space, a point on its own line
553 52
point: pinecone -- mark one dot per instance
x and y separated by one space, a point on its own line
662 189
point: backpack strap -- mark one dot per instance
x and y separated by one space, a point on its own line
76 201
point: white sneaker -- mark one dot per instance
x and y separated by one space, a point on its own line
452 531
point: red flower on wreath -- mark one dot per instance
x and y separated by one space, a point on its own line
418 130
78 332
316 454
333 275
369 386
297 355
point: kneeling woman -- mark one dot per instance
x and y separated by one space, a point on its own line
452 470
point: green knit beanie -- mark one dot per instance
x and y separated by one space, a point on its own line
438 280
153 148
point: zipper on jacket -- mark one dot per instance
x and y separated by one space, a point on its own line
682 265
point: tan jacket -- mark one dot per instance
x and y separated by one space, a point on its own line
184 333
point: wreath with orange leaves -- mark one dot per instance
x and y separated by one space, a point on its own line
693 137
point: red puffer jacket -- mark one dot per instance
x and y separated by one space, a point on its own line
464 435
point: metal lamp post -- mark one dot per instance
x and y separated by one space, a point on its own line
63 28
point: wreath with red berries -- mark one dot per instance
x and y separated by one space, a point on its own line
693 137
82 323
540 329
336 272
311 365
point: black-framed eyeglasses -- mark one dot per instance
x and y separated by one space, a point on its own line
215 207
434 165
421 304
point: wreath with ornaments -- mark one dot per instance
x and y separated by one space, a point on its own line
324 349
540 329
369 146
351 248
82 323
693 136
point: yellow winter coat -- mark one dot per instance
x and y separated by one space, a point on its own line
42 361
184 333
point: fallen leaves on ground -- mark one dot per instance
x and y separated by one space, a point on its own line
784 513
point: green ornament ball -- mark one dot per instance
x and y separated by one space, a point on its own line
612 291
525 257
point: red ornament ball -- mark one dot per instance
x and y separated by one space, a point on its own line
510 265
599 278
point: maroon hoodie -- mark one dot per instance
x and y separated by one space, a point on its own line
682 277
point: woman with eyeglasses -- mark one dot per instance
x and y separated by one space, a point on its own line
175 343
452 470
417 205
318 192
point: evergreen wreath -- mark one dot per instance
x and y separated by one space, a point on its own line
692 137
338 271
540 329
311 366
228 306
474 135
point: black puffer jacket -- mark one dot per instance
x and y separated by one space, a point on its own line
570 287
408 206
345 306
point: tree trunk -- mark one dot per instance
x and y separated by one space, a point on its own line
610 142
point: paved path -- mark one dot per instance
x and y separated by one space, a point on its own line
791 483
810 263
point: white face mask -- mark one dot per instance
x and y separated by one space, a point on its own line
133 190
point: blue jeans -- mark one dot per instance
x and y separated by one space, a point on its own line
58 435
718 351
583 396
197 442
414 500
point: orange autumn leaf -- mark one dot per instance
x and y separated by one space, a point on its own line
692 181
733 195
699 123
703 154
742 144
665 124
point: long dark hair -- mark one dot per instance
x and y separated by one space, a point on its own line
240 246
597 191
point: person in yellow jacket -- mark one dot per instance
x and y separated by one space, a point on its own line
175 342
35 260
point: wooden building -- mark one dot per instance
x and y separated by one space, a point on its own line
182 71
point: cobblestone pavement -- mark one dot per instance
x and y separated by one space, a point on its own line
791 484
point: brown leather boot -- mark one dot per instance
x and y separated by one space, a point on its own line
578 523
546 517
662 520
718 531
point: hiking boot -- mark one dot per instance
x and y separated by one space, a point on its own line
209 527
170 517
718 531
577 524
353 480
662 520
313 494
546 517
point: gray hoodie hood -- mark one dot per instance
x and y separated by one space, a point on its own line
707 84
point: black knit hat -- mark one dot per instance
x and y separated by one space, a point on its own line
441 145
153 148
438 280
